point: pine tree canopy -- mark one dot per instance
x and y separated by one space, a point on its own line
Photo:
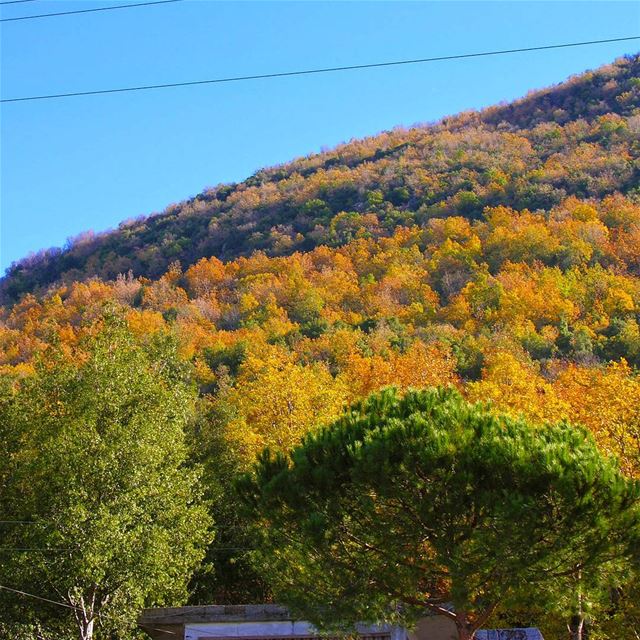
423 501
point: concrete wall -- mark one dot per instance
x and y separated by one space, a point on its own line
252 622
280 629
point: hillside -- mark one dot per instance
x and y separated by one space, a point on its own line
502 260
576 139
495 252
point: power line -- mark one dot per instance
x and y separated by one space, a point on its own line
64 550
65 604
68 13
32 595
42 550
19 521
22 522
265 76
16 1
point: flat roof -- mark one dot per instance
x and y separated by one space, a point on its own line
214 613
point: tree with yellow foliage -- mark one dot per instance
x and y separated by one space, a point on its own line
276 401
607 402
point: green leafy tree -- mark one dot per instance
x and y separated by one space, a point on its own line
227 575
426 502
95 462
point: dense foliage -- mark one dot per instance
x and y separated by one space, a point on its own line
580 139
99 512
495 252
423 501
484 305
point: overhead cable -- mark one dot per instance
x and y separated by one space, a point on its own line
68 13
283 74
26 594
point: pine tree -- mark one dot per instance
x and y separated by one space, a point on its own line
428 502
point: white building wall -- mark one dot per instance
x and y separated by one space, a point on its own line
274 629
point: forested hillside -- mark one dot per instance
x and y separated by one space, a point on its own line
494 252
579 138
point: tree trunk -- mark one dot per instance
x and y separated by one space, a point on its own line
86 629
576 628
463 626
84 611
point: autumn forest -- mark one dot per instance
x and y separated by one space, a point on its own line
495 252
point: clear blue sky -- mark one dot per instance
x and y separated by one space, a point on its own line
91 162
